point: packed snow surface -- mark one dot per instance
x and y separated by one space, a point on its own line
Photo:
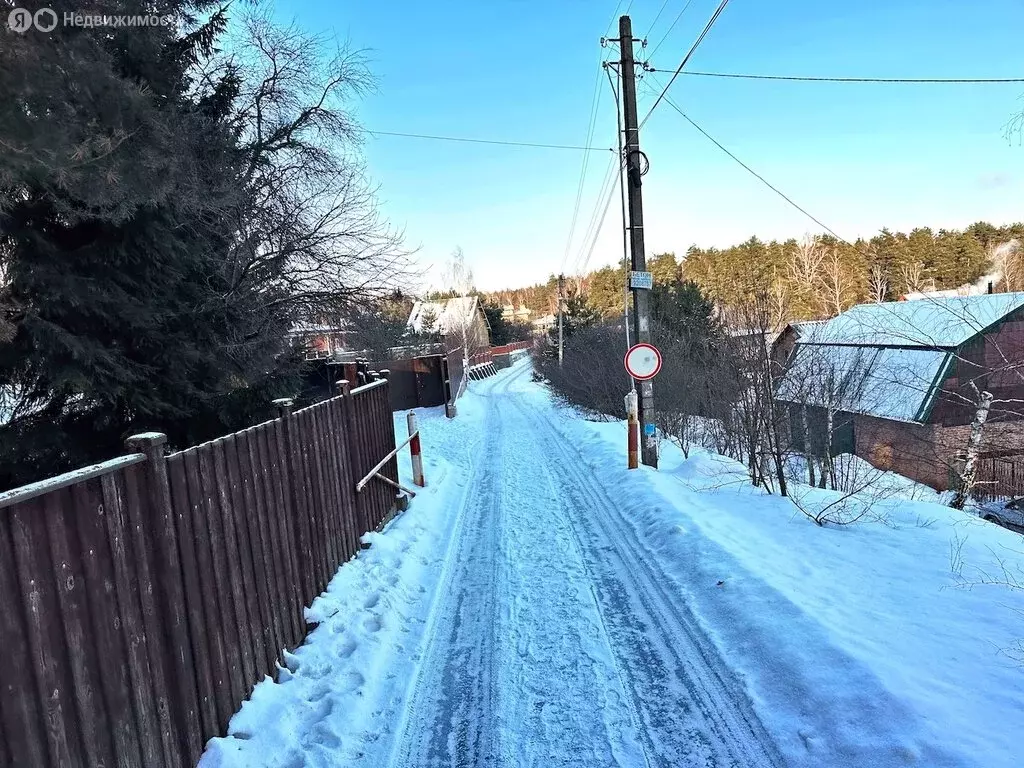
540 605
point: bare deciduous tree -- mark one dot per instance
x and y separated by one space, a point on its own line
309 236
878 283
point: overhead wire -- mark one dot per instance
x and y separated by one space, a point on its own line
601 204
471 140
670 28
594 104
686 58
755 174
815 79
661 10
594 108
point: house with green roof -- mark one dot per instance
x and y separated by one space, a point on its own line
899 382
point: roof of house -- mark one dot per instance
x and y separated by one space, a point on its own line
443 317
887 360
933 322
888 382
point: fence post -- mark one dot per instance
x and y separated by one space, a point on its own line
632 431
167 630
415 452
446 380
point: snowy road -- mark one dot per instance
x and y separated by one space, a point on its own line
555 639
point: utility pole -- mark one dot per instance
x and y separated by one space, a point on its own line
641 304
561 302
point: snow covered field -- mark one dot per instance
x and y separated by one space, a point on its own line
539 605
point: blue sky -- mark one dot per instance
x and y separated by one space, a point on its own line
859 157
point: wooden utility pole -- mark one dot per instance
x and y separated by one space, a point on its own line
561 302
641 304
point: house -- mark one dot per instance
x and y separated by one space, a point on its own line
544 324
894 383
461 322
320 341
514 314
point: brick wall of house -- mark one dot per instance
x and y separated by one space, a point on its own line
909 449
927 452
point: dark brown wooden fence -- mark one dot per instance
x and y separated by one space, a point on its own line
999 477
141 599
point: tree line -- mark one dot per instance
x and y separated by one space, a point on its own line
814 277
174 200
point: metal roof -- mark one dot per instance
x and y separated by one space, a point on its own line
934 322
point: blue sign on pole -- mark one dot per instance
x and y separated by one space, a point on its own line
649 429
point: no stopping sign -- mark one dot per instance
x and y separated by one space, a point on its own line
642 361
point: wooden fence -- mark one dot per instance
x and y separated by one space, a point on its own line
142 598
999 478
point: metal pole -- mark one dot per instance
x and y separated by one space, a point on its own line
641 309
415 451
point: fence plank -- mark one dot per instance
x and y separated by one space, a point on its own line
272 578
206 593
252 529
348 479
60 511
46 642
334 490
322 502
20 717
316 553
335 451
359 448
114 491
171 609
142 555
272 443
110 647
225 609
188 546
300 503
236 571
328 496
272 541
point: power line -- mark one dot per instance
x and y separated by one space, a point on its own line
597 216
661 10
798 78
489 141
594 104
686 58
756 175
670 27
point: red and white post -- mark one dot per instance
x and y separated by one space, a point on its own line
632 430
415 451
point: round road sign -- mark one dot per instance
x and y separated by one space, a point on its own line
643 361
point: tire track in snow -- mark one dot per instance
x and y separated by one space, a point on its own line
518 671
693 711
446 714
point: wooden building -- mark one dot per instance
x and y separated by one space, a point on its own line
897 383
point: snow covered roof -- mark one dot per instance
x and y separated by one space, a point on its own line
887 382
443 317
932 322
310 328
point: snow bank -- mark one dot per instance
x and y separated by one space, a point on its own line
340 691
860 645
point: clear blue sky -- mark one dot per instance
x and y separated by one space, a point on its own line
859 157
